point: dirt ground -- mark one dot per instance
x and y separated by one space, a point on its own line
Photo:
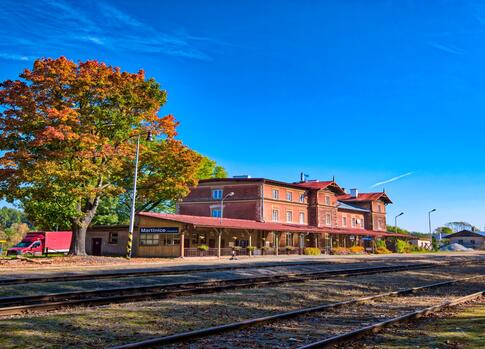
462 327
99 327
103 263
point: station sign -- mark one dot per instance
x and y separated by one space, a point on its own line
160 230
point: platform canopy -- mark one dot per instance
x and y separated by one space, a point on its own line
231 223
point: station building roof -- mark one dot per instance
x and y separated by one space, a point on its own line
231 223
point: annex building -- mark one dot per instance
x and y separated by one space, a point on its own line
255 216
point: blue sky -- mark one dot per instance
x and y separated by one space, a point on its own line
365 91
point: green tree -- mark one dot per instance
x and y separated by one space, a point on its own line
67 139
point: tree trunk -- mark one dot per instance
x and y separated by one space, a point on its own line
78 242
79 228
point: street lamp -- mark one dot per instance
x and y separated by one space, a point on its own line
395 221
222 204
429 222
133 197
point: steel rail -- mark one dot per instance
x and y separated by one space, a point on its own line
381 325
6 281
25 304
204 332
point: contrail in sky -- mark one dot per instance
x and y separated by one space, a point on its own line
393 179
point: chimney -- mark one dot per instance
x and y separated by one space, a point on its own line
354 193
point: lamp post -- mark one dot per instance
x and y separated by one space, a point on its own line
222 204
429 222
133 197
395 221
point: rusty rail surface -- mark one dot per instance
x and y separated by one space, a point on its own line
204 332
43 302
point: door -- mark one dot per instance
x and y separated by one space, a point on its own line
96 246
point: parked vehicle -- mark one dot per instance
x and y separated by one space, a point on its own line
42 242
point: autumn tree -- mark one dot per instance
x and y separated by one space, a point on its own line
67 141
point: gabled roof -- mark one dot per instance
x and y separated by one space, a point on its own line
230 223
318 185
466 233
365 197
344 206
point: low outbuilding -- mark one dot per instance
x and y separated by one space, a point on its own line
468 238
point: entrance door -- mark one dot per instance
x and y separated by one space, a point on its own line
96 246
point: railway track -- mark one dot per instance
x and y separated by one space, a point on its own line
7 281
210 335
44 302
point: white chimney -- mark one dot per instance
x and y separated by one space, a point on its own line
354 193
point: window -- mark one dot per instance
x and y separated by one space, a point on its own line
289 239
344 221
216 212
361 223
276 194
217 194
169 239
113 238
327 200
354 222
149 239
35 244
328 220
289 216
379 223
302 197
460 242
289 196
276 215
302 218
472 242
379 208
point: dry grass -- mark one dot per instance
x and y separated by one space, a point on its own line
116 324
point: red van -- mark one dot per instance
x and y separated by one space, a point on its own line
40 242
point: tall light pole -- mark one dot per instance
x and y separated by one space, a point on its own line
429 222
133 197
395 221
222 204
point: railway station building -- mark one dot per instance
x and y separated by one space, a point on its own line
261 216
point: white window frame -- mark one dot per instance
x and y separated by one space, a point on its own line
216 209
275 215
216 194
301 217
275 194
302 198
289 216
289 196
327 200
328 219
354 222
344 221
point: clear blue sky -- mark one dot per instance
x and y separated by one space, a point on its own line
366 91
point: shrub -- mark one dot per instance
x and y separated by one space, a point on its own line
381 243
203 248
382 250
311 251
340 251
403 246
251 248
357 250
289 248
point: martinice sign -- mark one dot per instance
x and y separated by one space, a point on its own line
160 230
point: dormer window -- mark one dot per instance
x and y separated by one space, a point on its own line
327 200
